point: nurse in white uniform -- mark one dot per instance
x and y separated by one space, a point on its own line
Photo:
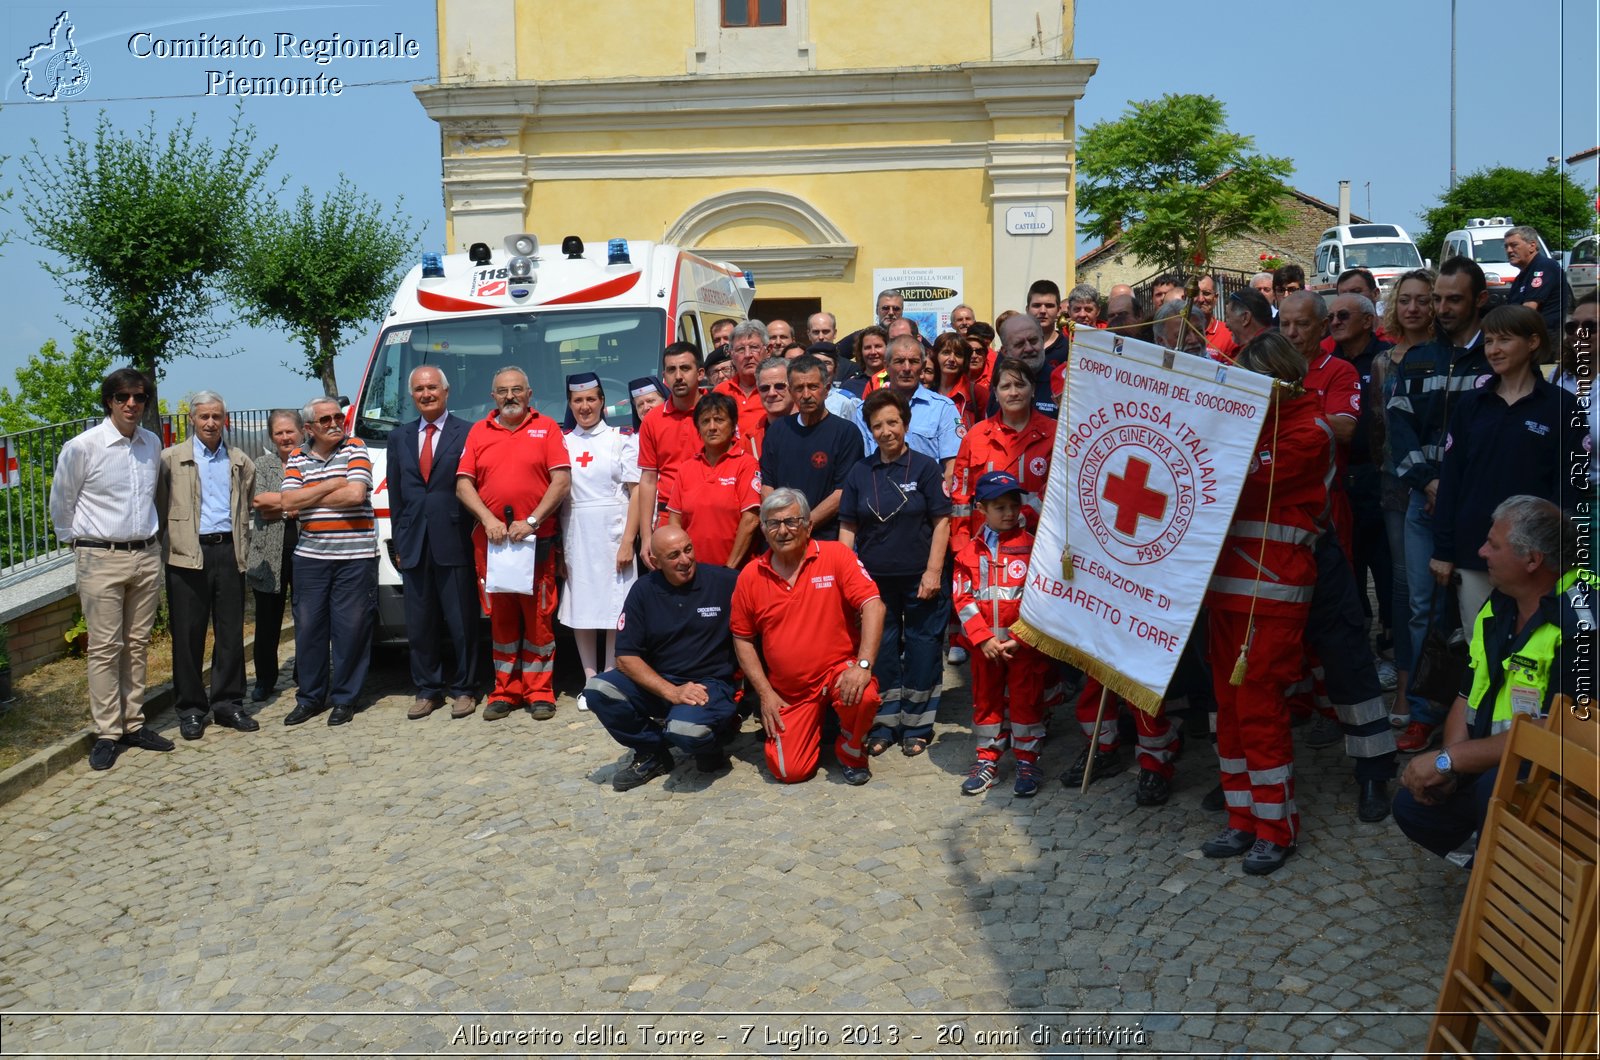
597 522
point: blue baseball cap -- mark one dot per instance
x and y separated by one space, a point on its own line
995 484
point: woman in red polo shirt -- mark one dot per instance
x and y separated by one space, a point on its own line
717 493
951 357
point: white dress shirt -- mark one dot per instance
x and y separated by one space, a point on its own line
105 485
422 432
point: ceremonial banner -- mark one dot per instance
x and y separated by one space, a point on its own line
1150 454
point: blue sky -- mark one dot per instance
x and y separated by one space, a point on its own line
1361 95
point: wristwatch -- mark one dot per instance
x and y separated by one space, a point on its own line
1443 764
864 664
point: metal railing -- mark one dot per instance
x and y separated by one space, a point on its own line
1227 281
28 464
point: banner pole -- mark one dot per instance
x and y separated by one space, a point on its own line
1094 741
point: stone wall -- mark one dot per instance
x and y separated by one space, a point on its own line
36 637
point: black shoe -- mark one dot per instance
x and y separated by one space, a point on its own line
146 738
1266 857
712 761
1228 843
1106 764
855 776
1215 800
103 755
496 709
543 710
237 719
259 693
1373 804
192 726
642 770
302 712
341 715
1153 790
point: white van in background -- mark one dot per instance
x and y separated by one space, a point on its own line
1484 241
1383 250
610 312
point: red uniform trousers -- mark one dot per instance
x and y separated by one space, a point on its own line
1254 747
792 754
1014 691
1158 735
523 632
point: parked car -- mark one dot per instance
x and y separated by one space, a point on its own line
1384 250
1583 266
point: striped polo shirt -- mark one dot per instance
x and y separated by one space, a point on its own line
334 533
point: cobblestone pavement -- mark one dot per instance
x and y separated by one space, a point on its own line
399 887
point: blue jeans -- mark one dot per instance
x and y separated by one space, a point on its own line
910 665
1420 589
335 610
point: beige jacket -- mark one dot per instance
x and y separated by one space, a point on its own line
178 504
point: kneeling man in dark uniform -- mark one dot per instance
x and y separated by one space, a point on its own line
673 683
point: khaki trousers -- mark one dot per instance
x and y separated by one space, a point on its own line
119 593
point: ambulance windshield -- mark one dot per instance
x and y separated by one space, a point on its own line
615 344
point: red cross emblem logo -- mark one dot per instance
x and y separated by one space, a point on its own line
1134 499
585 460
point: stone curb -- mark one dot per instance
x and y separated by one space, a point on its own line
64 754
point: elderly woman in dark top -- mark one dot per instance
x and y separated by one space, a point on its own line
272 550
894 512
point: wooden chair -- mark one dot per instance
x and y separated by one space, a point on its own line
1529 918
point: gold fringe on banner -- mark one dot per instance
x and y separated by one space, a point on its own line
1110 676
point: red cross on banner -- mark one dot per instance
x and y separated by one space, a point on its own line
585 460
9 475
1133 498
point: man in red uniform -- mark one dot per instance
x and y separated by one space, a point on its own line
512 477
818 619
1217 336
1008 676
1337 386
1260 595
667 435
749 349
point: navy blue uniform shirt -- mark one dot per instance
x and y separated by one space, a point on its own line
813 460
681 631
1542 281
893 507
1493 451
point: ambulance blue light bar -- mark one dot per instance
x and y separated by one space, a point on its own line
617 252
432 266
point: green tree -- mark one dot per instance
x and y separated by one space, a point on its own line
145 224
1173 182
54 387
320 270
1547 199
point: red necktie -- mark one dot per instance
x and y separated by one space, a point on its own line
425 459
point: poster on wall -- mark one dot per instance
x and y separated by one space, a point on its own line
929 293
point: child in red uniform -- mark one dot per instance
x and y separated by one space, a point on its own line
1008 676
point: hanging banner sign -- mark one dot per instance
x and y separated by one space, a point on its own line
1151 452
930 294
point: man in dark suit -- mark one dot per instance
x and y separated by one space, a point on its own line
433 548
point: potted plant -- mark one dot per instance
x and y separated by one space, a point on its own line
5 664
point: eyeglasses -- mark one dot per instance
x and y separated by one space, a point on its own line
768 388
1573 327
792 523
327 421
509 391
1340 316
122 397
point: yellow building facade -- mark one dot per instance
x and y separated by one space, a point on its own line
816 142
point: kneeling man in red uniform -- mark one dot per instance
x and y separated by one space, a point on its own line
806 624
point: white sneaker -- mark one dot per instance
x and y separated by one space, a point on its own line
957 656
1399 721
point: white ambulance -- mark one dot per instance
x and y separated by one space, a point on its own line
552 314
